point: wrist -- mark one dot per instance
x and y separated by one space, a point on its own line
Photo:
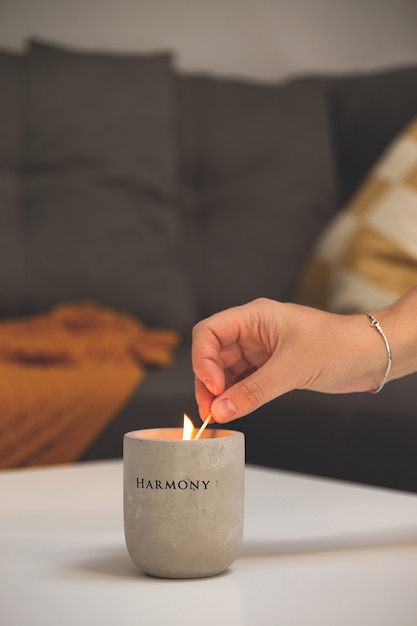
338 353
397 321
374 323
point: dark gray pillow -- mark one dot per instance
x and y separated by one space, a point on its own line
370 109
99 184
12 272
259 184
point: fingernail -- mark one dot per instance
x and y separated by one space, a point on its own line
224 410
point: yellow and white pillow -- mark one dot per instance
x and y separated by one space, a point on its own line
367 256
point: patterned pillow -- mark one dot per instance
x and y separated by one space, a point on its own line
367 256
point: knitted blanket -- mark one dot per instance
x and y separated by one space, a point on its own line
65 374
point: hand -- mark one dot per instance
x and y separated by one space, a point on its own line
246 356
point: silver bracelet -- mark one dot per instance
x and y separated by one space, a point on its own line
376 324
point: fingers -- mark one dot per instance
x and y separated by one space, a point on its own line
204 398
248 394
229 354
226 410
208 366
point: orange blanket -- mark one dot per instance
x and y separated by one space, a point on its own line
65 374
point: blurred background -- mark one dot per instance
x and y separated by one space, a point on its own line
169 186
266 38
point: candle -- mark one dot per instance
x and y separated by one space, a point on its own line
183 500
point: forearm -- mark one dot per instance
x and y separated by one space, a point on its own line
355 354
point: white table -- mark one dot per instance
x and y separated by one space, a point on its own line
316 552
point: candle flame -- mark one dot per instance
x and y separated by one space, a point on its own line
188 429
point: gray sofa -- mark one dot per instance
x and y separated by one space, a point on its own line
172 196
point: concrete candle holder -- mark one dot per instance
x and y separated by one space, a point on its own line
183 501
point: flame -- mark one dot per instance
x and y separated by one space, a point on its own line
187 431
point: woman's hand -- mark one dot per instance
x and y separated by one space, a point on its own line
246 356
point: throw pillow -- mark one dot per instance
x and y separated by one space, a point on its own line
367 256
258 184
12 266
99 184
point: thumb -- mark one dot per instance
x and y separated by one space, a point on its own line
247 395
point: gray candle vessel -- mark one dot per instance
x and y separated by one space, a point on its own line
183 501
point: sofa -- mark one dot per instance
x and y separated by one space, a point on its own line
172 195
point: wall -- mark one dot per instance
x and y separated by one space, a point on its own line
265 38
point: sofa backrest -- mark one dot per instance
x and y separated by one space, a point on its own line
227 185
12 258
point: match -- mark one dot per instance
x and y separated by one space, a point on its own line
203 426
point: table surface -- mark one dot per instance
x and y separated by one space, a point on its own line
315 552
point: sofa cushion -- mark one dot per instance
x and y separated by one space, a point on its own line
258 184
99 184
12 267
367 256
370 109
